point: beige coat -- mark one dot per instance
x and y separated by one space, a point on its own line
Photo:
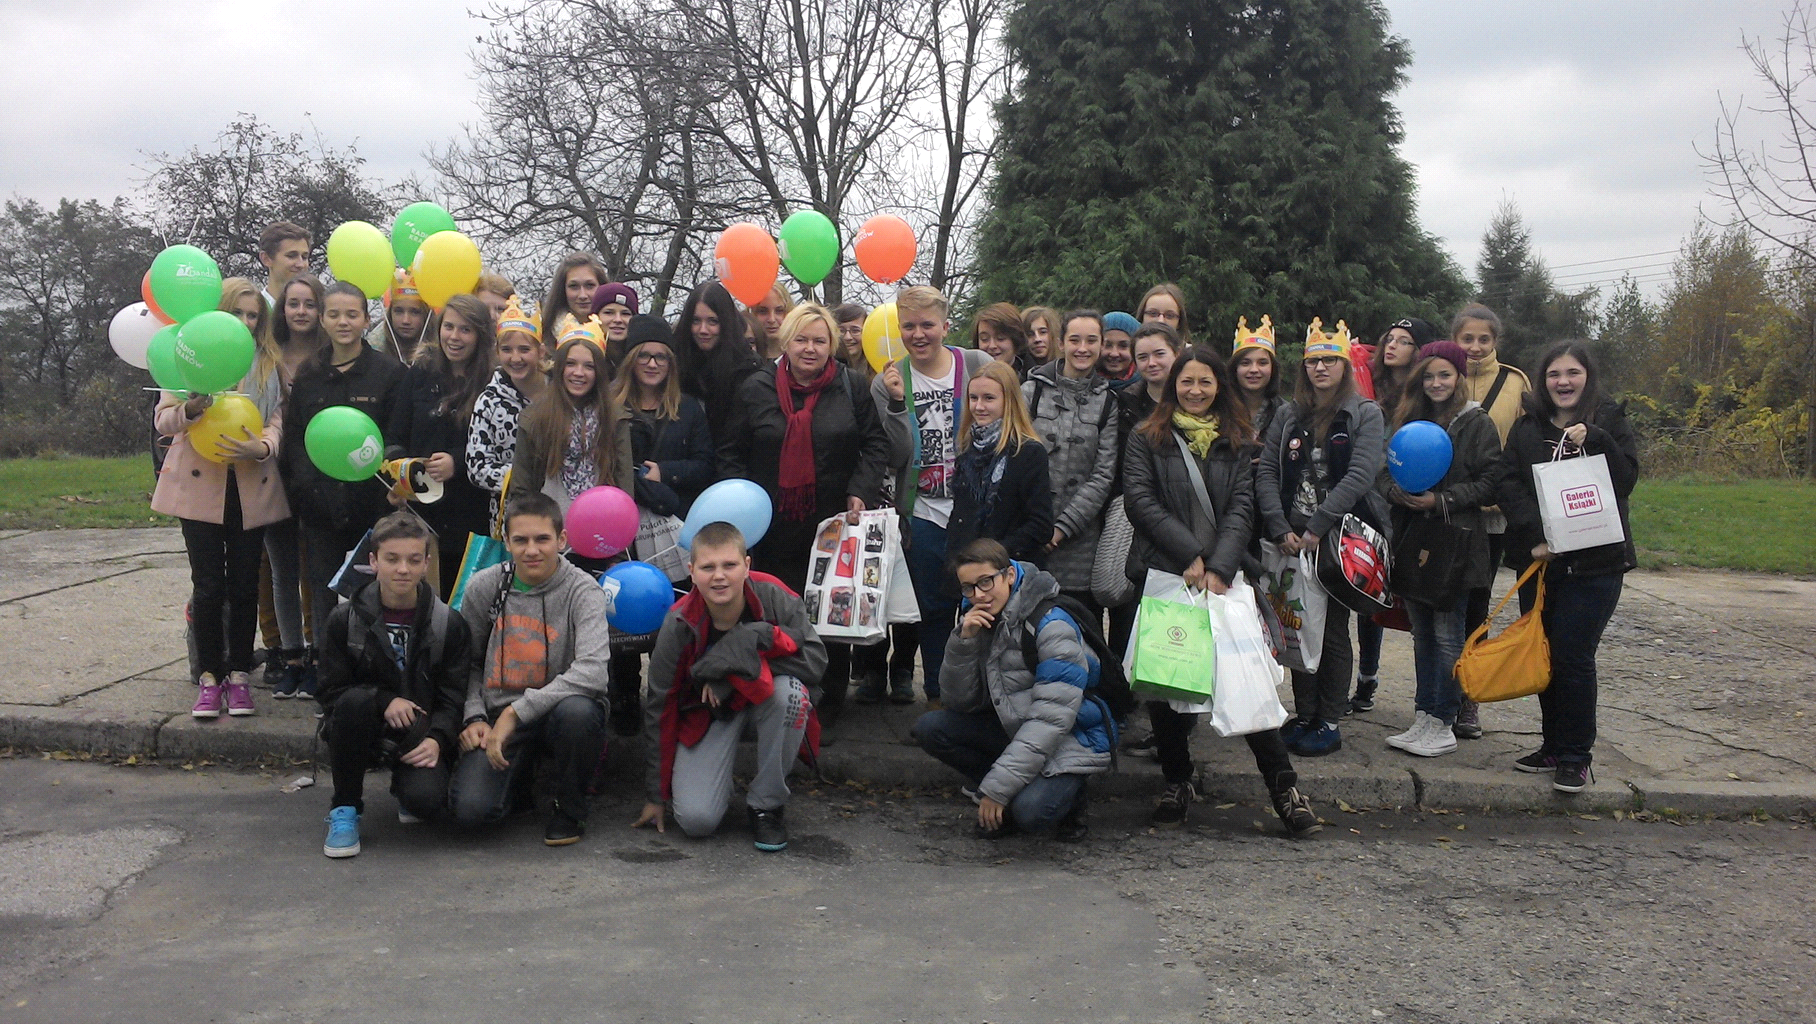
191 487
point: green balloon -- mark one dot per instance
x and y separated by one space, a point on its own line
413 224
809 245
214 351
186 282
161 359
344 443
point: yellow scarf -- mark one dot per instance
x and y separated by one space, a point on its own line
1199 434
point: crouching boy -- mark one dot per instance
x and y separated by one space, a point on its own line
738 651
538 679
394 681
1024 737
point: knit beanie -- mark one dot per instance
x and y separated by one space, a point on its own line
647 327
611 292
1120 321
1446 350
1423 333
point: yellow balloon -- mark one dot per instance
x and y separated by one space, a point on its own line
230 416
360 255
447 265
883 337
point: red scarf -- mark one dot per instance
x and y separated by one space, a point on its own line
795 473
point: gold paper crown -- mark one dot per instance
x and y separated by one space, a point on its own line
1260 337
1318 343
402 284
592 331
516 319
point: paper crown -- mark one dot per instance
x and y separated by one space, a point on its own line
402 285
592 331
515 319
1319 344
1261 337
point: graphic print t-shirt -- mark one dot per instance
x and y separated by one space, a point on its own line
933 416
397 626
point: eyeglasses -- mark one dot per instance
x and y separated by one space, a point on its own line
1166 315
653 358
982 586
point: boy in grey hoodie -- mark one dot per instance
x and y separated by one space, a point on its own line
538 680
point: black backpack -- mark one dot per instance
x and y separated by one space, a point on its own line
1112 683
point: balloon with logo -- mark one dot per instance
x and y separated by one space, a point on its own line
637 597
447 264
1418 456
161 359
186 282
809 246
742 503
747 262
883 336
885 248
359 255
214 351
130 333
344 443
151 301
601 522
231 416
413 225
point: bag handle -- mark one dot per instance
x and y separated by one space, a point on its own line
1197 475
1538 601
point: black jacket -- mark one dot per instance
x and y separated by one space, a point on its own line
418 430
1470 484
439 686
371 385
1533 441
1171 529
716 377
850 450
1021 516
683 450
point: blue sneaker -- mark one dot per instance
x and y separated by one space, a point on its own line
343 833
1322 738
1292 732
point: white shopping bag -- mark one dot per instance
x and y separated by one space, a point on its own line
1247 697
1576 503
857 578
1295 607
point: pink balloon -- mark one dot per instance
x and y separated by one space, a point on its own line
601 522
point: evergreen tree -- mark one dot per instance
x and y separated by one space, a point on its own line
1243 149
1518 287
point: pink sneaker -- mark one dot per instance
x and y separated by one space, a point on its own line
239 694
208 698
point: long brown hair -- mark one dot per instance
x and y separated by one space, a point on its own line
462 390
1018 427
550 417
1230 411
1415 404
626 391
557 303
1306 398
1171 291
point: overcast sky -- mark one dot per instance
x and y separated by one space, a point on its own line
1587 114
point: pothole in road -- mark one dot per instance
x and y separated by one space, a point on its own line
72 876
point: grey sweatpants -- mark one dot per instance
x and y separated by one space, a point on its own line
701 783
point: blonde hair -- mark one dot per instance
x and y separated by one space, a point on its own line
496 283
787 301
1018 426
921 297
625 389
800 316
266 355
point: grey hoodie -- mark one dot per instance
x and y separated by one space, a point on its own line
551 643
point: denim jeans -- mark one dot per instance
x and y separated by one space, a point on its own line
1437 643
283 551
1368 646
927 568
971 741
571 735
1577 610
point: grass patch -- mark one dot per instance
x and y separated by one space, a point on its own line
70 493
1758 525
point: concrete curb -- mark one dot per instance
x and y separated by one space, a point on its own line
895 765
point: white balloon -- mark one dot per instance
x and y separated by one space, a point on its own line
130 333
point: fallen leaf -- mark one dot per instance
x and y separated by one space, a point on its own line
1733 776
1345 807
1620 815
1590 817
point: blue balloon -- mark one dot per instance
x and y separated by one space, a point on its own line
742 503
637 596
1418 456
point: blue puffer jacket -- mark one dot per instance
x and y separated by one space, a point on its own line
1055 727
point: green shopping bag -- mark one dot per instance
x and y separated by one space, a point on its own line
1175 651
482 553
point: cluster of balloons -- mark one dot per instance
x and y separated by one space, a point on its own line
1418 456
178 332
748 261
442 261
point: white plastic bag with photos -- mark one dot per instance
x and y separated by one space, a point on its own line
857 577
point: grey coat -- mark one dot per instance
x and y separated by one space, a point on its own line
1081 463
1171 527
1368 454
1039 714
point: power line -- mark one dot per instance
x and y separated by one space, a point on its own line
1604 272
1617 259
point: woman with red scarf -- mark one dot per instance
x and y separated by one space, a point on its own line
808 432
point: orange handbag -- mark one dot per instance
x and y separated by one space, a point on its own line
1518 662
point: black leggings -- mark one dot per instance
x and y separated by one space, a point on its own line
224 571
1172 741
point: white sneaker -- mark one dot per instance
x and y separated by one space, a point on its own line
1399 740
1437 739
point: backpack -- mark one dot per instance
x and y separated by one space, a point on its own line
1112 686
438 634
384 748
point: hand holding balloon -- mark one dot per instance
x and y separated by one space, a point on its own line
1418 456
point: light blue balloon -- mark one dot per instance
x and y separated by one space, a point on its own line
637 597
742 503
1418 456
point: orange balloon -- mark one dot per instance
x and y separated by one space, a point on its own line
747 262
151 303
885 248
